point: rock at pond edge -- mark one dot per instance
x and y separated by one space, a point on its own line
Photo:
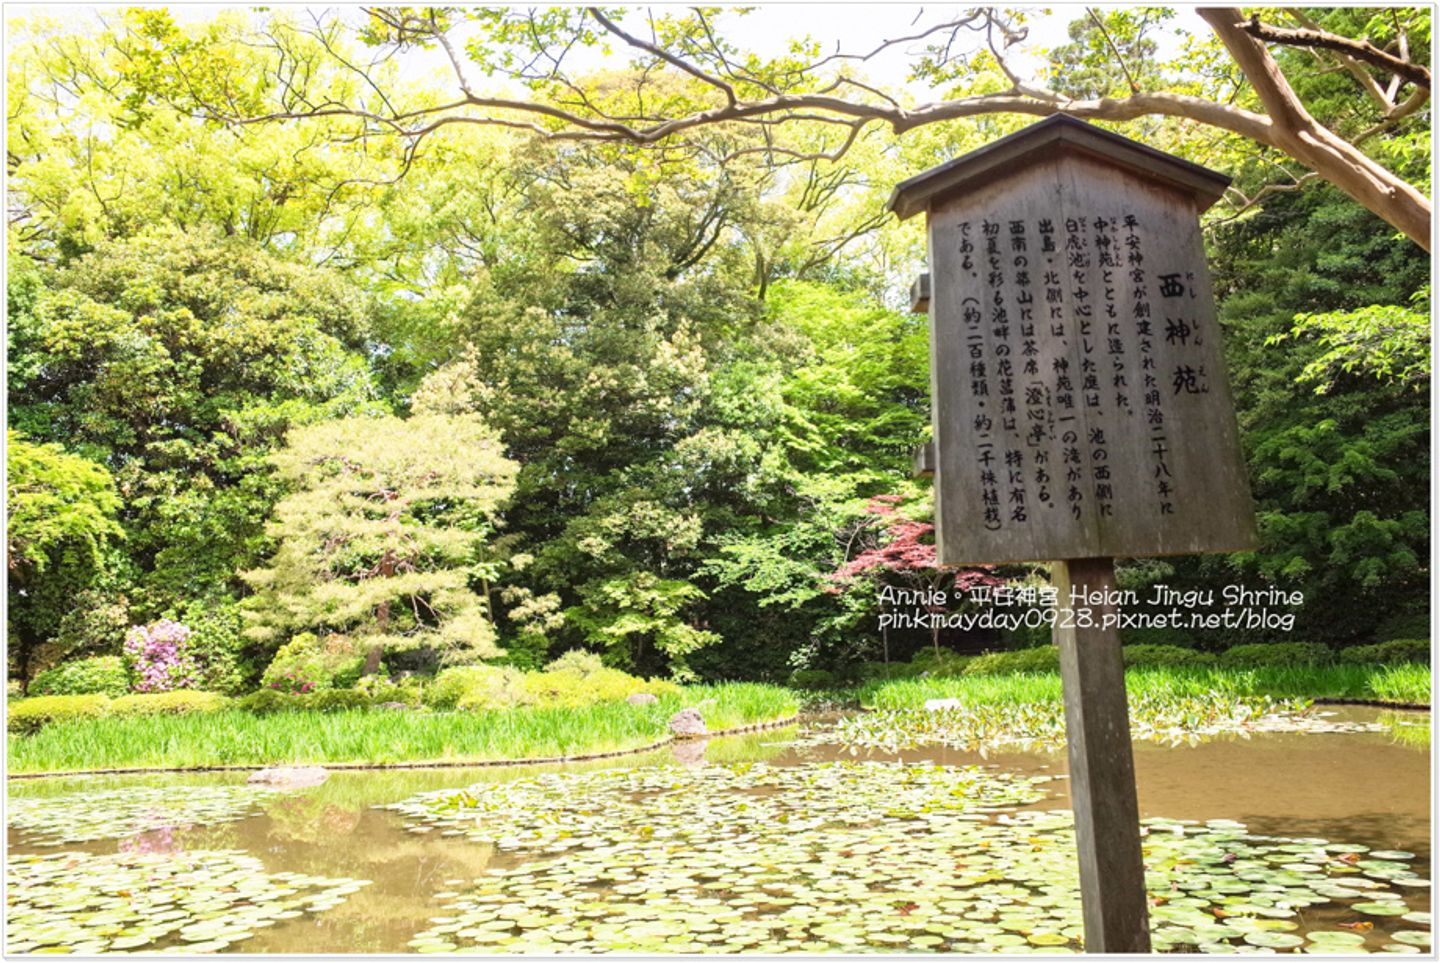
292 777
687 724
641 699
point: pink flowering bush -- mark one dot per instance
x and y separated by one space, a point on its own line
159 656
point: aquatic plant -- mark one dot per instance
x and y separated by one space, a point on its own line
867 856
196 902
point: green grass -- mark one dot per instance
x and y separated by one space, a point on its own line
233 737
1408 684
1402 683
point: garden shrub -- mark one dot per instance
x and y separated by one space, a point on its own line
868 671
264 701
379 690
159 657
502 687
29 715
581 661
176 702
333 700
309 664
104 674
1404 626
1276 653
1394 652
812 679
946 663
452 684
1042 659
217 644
96 624
1154 656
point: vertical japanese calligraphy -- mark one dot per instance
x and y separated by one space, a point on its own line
1081 405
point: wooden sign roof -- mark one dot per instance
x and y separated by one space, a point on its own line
1058 132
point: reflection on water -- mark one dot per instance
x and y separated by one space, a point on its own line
1365 788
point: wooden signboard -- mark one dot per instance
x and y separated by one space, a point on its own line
1080 411
1081 406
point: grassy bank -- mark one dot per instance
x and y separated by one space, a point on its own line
1398 684
233 737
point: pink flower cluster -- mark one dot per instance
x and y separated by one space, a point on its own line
159 655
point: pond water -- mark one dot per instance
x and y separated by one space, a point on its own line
766 842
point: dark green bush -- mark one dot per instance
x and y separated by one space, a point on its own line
218 645
1394 652
103 674
1041 659
812 679
1404 626
29 715
946 663
868 671
1164 656
1276 653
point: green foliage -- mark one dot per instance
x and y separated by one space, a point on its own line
378 539
307 664
812 679
1042 659
60 521
30 715
177 702
941 663
59 508
96 623
447 688
1277 654
180 358
1341 478
1408 684
577 660
867 671
1404 625
1393 652
101 674
1157 656
218 646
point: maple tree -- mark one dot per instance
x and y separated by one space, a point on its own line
902 549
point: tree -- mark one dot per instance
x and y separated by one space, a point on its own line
902 549
688 76
378 539
60 520
178 360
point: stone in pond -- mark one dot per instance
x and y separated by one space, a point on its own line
292 777
641 699
687 724
935 705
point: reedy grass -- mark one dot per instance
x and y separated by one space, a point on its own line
1402 683
234 737
1410 684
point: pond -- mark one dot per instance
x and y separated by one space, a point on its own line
772 842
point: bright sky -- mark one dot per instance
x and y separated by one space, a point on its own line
856 27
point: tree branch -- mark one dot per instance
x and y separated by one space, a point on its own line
1362 50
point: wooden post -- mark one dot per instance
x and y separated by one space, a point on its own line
1102 765
1080 410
